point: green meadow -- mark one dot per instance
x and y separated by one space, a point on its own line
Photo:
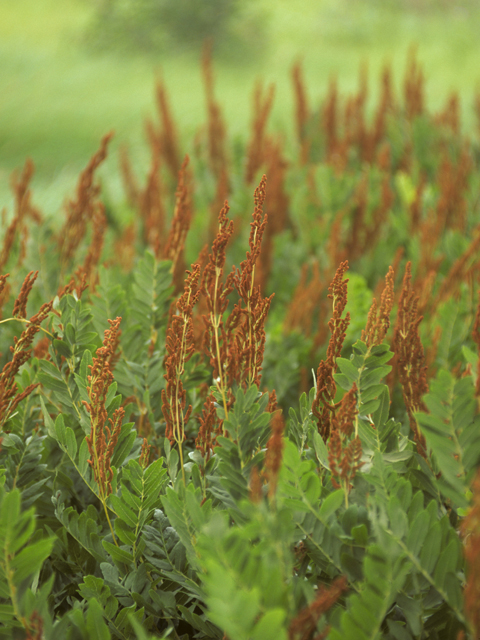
59 96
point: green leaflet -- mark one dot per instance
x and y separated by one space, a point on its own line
367 368
186 516
22 556
84 527
248 431
365 611
139 496
452 432
246 570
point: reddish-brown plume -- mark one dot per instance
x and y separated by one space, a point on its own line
306 300
82 207
215 292
151 207
413 87
344 460
256 149
175 246
250 313
330 120
21 351
23 209
4 291
88 270
273 457
386 105
302 114
409 355
216 126
20 305
449 117
344 454
304 625
452 181
209 428
324 406
277 206
180 347
256 484
378 321
130 183
103 438
34 627
144 459
166 136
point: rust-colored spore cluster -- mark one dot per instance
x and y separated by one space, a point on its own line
104 431
324 406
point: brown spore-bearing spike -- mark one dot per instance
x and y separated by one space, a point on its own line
175 245
256 146
167 137
302 112
324 407
81 208
409 357
216 126
304 625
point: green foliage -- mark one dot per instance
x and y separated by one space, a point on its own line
253 529
208 557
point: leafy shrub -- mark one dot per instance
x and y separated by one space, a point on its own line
152 482
153 26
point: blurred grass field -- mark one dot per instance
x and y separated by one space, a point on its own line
58 97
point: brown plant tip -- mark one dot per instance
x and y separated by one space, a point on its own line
302 112
410 358
86 274
23 209
102 439
209 428
324 407
413 87
144 459
215 293
167 135
180 346
250 314
255 490
304 625
21 352
256 146
20 305
306 300
272 405
216 125
273 456
345 418
34 627
378 321
175 244
81 208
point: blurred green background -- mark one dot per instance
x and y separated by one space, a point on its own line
72 70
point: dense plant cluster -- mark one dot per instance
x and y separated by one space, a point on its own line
274 450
